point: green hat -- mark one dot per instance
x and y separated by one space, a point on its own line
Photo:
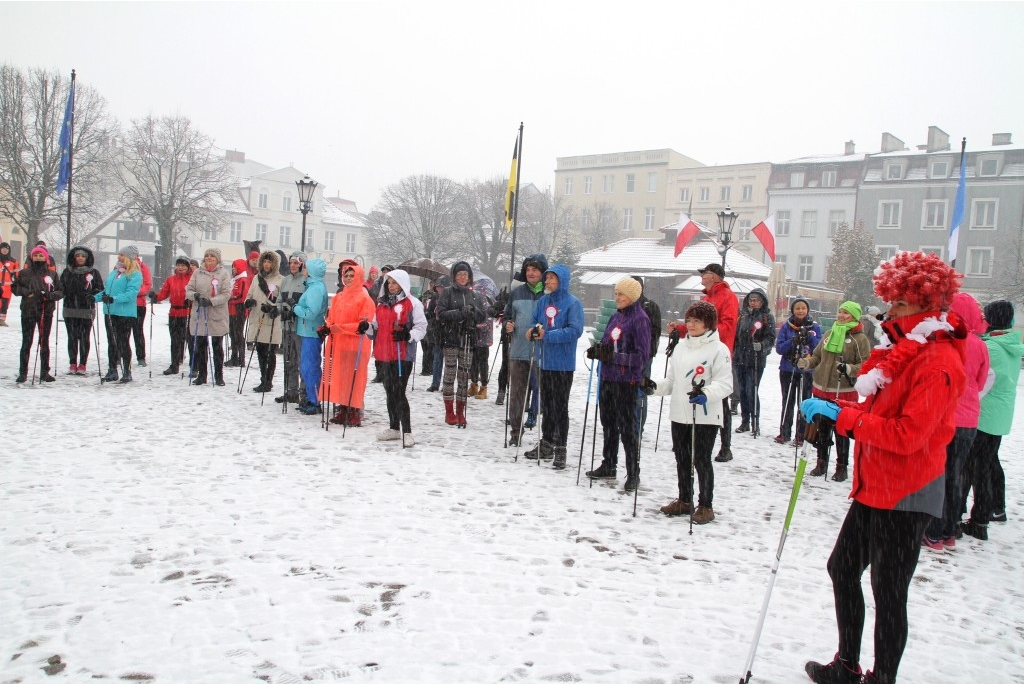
851 308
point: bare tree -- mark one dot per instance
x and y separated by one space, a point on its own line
852 263
172 174
599 225
483 222
419 216
32 105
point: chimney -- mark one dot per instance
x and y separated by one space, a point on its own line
938 140
1002 139
891 143
234 156
849 148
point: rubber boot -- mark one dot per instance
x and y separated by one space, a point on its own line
460 414
449 412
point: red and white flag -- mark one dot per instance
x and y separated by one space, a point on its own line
765 232
687 231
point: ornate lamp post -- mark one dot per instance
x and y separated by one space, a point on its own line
306 188
726 221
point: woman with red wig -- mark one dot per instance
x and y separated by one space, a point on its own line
911 384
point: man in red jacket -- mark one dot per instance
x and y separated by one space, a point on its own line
912 387
718 293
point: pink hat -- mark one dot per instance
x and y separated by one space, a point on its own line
41 249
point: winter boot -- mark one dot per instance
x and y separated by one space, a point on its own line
677 508
703 515
263 387
45 377
218 378
819 469
473 389
111 375
840 475
724 454
171 370
560 454
460 413
126 377
605 470
836 672
976 530
531 420
501 398
449 412
632 482
482 393
743 427
543 450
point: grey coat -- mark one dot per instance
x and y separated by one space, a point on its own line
210 320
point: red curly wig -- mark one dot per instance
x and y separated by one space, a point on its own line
920 279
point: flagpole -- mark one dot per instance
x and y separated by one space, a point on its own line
515 206
959 204
71 157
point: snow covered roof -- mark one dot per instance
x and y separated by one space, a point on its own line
332 214
827 159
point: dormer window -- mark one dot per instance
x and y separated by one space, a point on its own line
894 172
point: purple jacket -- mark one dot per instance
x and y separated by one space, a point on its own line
629 331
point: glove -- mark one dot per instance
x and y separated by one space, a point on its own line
842 368
592 351
152 296
46 296
803 363
362 327
757 347
649 386
323 332
107 299
815 406
266 307
673 336
205 302
533 333
800 338
605 353
250 303
401 335
697 395
469 313
273 313
286 312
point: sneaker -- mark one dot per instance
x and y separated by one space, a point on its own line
602 471
408 440
388 434
743 427
836 672
949 543
73 370
977 530
799 442
433 388
703 515
140 362
677 508
724 455
531 420
998 517
934 545
781 439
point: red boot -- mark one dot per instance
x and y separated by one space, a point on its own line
460 414
449 412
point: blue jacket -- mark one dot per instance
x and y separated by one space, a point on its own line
632 327
124 289
785 343
311 308
561 314
519 310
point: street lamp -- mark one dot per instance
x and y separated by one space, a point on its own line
306 187
726 220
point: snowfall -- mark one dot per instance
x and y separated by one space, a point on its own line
163 533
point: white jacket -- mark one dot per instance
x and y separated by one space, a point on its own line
702 358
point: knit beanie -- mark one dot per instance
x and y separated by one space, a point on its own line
704 312
216 253
181 260
630 288
40 249
851 308
254 255
298 255
800 299
131 252
999 315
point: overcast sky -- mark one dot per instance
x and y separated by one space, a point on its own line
361 94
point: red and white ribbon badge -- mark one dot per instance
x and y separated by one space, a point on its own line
551 311
213 287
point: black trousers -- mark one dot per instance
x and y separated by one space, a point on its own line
796 387
139 332
704 442
201 356
394 391
79 339
478 367
619 423
29 328
119 337
266 355
503 371
984 473
890 543
554 398
178 327
236 335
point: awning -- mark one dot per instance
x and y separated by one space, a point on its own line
740 286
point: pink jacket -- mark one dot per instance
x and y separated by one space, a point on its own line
976 362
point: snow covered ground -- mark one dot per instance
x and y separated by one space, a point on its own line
165 533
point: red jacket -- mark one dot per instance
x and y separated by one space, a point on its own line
902 430
240 283
728 306
147 284
174 289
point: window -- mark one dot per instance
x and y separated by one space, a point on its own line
210 232
937 250
806 267
608 183
705 194
329 241
780 259
989 167
724 192
652 182
889 214
894 172
939 169
886 252
933 214
796 179
568 185
984 215
828 179
649 219
285 236
979 261
748 192
264 199
627 219
744 226
782 224
836 218
310 242
350 242
236 231
808 224
588 184
630 183
286 203
684 194
261 232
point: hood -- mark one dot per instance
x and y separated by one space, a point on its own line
756 291
401 277
88 256
562 271
640 280
316 268
461 266
969 311
274 258
357 283
537 257
240 266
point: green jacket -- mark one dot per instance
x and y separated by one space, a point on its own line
1004 354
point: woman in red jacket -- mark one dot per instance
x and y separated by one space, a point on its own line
911 384
173 289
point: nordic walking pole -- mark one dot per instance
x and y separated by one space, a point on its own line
270 356
693 447
597 415
586 412
745 678
99 352
638 409
352 388
241 376
56 338
195 344
526 394
668 355
39 342
152 313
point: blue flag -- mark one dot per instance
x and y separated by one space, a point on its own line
958 206
64 175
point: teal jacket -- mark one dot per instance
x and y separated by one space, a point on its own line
124 289
311 309
1004 353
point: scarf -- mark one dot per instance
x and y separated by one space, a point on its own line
837 336
888 360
